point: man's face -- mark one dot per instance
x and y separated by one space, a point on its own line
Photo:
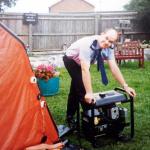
107 39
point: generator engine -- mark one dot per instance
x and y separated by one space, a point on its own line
110 119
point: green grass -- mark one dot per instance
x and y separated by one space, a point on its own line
137 78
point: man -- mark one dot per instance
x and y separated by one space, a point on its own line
79 56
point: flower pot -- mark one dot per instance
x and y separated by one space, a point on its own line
48 87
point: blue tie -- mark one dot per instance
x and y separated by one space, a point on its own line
100 63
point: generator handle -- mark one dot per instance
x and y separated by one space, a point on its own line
122 90
119 89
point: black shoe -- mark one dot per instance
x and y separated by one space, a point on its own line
72 123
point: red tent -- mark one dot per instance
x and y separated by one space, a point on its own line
24 117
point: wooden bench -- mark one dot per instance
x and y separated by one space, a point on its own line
130 50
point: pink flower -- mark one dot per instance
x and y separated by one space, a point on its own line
46 71
50 68
41 67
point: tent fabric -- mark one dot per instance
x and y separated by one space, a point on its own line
24 118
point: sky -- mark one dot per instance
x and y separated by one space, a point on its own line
41 6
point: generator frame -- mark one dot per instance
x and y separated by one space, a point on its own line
123 99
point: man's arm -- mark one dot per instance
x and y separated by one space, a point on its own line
86 77
119 77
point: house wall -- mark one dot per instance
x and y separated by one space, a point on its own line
71 6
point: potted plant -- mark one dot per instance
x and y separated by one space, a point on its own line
47 79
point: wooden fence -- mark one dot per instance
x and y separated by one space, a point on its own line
52 31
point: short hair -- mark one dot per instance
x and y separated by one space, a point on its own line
111 32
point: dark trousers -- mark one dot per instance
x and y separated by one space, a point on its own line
77 90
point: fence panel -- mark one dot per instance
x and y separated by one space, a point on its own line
52 31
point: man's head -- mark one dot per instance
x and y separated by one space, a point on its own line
107 38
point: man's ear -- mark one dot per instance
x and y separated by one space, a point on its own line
112 46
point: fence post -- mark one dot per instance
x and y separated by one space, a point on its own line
30 37
96 24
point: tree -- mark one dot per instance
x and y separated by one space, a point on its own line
138 5
141 6
6 3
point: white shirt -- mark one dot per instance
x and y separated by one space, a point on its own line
81 50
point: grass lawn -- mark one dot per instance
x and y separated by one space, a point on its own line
137 78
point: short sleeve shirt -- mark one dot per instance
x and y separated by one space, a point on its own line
80 50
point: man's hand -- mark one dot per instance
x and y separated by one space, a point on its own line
130 91
89 98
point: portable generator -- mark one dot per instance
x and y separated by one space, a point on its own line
106 117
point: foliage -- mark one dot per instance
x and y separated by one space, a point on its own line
138 5
145 44
143 19
138 78
46 71
6 3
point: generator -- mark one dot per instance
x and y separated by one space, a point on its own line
106 117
